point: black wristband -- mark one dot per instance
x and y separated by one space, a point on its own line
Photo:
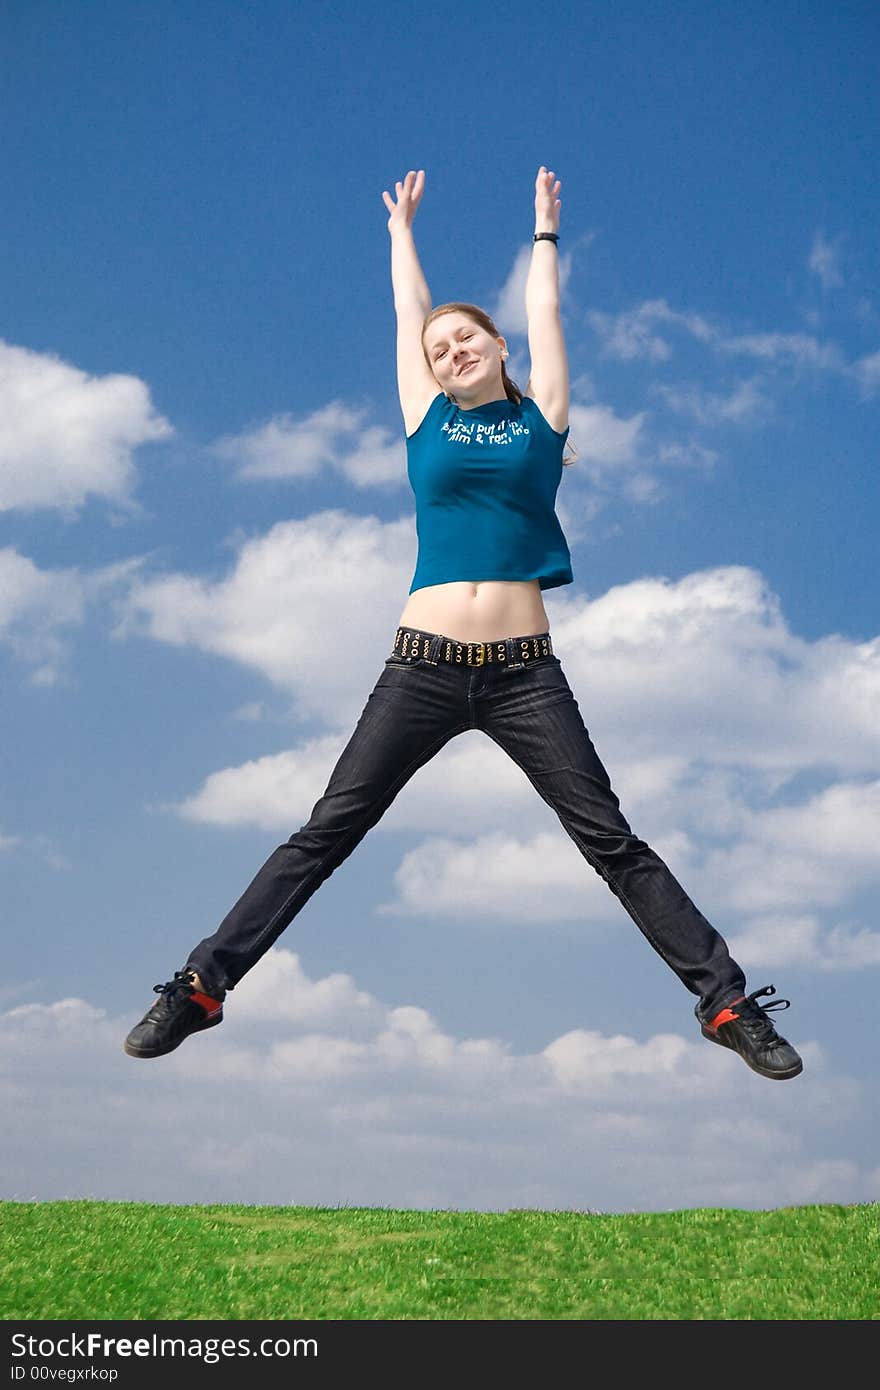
546 236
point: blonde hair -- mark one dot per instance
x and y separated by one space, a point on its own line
480 317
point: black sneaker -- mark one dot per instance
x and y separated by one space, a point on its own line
181 1009
744 1026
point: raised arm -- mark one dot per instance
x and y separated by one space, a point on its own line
412 301
548 381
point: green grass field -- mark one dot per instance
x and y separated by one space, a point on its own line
122 1260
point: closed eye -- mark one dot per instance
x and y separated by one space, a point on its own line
441 352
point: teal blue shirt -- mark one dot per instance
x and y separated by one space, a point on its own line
485 483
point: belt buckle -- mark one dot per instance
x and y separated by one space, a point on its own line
480 658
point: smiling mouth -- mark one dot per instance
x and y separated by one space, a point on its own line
466 368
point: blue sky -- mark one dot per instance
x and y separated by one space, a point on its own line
203 492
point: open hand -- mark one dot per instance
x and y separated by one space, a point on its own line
547 203
409 194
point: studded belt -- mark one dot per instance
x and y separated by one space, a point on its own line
510 652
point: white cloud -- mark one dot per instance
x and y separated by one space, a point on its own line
286 609
297 1002
272 792
786 942
335 436
40 847
604 440
583 1060
687 455
34 605
509 314
867 373
824 261
745 404
632 335
739 706
776 864
252 712
37 606
342 1098
796 349
65 435
728 683
278 791
813 854
611 455
492 878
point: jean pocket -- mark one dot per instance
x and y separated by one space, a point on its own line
395 660
536 663
546 679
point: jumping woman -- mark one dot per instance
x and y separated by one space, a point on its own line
485 461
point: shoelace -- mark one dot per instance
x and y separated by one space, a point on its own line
182 981
755 1018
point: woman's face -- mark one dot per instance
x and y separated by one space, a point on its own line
465 359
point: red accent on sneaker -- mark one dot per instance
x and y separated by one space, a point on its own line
204 1001
725 1015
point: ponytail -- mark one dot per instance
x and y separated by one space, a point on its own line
511 390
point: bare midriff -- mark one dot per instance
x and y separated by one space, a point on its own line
486 610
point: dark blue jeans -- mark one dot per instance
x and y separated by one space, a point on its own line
413 710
